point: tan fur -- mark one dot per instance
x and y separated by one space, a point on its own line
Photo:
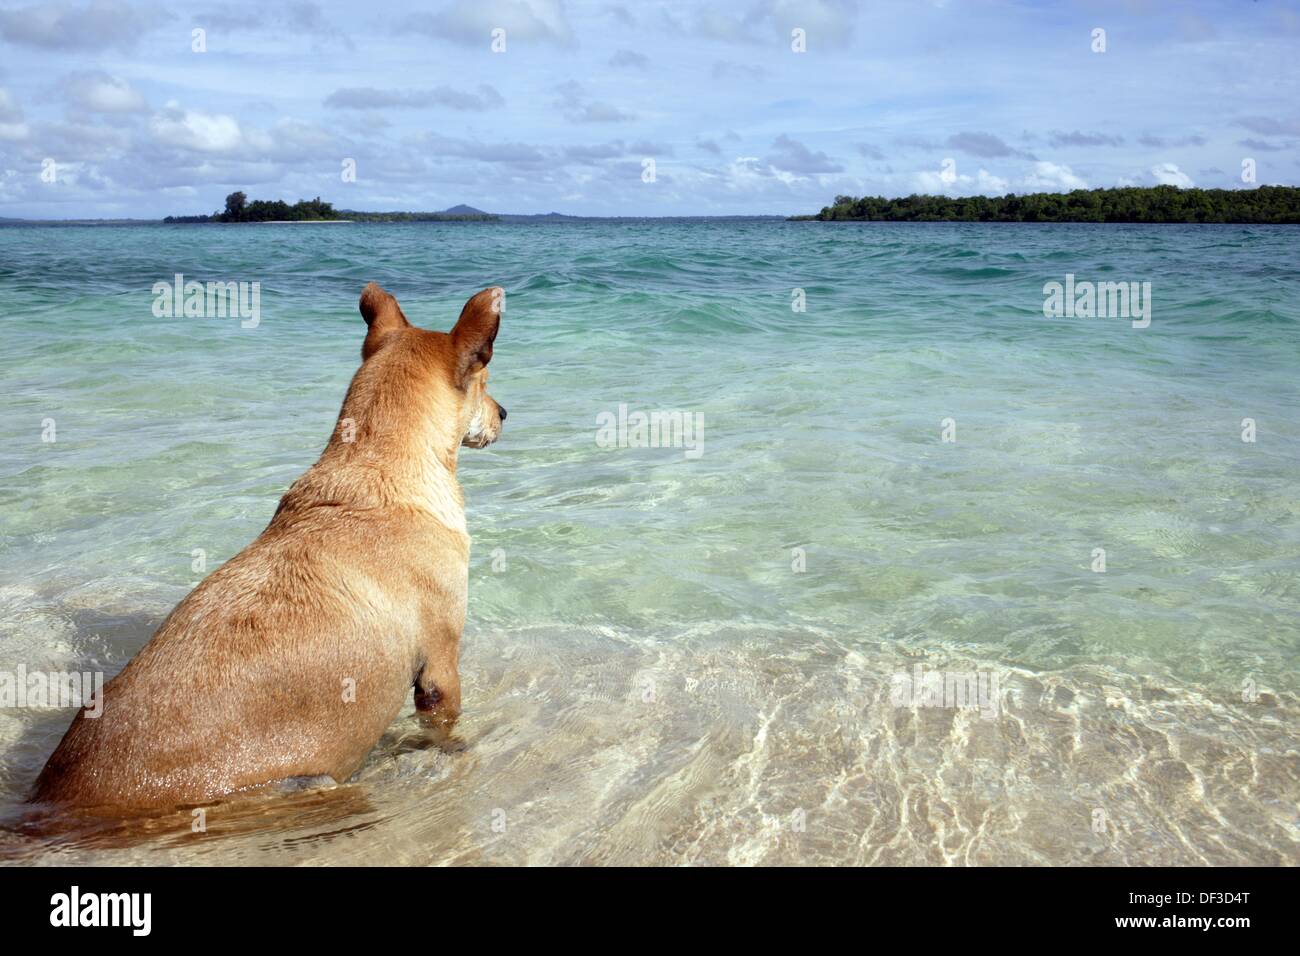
361 576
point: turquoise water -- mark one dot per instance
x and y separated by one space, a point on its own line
647 677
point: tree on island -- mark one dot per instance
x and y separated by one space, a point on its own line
1155 204
240 209
235 204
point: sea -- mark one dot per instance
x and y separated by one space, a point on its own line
804 543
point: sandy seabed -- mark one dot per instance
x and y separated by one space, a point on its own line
744 747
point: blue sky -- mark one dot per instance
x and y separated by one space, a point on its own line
889 98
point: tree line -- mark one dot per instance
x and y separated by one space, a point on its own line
239 209
1266 204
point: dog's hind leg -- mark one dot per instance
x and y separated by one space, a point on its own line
437 692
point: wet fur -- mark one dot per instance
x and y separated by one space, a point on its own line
361 576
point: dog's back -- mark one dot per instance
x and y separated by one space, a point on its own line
291 659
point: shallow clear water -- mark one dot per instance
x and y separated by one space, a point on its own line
647 678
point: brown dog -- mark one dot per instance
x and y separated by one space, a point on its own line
292 659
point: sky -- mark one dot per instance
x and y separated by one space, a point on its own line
120 109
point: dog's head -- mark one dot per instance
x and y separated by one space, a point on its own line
457 359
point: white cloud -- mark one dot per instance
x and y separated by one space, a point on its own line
937 183
472 21
101 93
9 109
197 131
793 156
751 173
12 127
578 109
1168 174
99 25
990 185
293 140
827 23
369 98
1053 177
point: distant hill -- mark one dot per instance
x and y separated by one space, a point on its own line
463 210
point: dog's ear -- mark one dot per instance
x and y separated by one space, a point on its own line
475 331
382 314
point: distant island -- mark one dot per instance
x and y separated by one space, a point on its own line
1151 204
239 209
